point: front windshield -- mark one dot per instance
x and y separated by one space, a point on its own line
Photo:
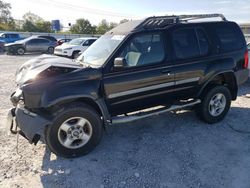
76 41
100 50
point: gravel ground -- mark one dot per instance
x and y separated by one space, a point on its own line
174 150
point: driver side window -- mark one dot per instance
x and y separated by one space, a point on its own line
143 50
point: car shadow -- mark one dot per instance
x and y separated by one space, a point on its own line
158 150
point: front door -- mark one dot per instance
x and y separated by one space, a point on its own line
31 46
146 80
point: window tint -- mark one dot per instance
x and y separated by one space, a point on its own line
144 49
91 41
86 43
185 43
42 41
229 38
203 42
14 35
37 41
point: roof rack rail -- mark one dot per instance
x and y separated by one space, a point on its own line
201 16
163 21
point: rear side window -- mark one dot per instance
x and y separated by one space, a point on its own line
229 38
14 35
203 42
91 41
185 43
38 41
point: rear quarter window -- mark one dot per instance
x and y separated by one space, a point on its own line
229 37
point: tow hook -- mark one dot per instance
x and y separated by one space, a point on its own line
12 126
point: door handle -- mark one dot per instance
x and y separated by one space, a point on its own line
165 71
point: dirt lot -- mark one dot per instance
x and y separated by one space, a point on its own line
173 150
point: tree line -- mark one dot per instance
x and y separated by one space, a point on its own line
34 23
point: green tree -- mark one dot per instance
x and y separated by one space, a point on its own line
82 26
105 26
6 20
29 16
29 26
44 26
34 23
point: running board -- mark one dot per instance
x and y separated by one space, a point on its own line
141 115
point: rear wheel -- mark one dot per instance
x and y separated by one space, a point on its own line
215 105
20 51
75 131
50 50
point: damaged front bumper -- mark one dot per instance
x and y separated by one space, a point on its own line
30 125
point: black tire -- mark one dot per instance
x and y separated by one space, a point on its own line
20 51
75 54
73 110
50 50
203 109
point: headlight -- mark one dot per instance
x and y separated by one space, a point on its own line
67 49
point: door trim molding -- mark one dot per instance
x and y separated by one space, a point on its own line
153 87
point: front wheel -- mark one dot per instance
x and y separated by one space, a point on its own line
20 51
75 54
75 131
215 105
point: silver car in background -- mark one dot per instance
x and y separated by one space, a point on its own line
31 44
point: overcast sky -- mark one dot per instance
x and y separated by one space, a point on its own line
115 10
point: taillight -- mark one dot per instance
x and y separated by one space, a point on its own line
246 60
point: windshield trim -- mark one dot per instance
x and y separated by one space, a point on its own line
77 39
102 65
115 51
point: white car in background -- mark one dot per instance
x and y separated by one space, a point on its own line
74 47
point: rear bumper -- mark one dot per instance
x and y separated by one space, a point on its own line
32 125
242 76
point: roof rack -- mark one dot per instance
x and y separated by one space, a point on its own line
163 21
201 16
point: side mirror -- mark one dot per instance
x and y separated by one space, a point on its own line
119 62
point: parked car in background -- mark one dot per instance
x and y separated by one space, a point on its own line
61 41
31 44
74 47
10 37
2 45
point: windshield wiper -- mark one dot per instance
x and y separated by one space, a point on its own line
84 64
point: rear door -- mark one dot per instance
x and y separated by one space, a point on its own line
146 80
43 45
191 48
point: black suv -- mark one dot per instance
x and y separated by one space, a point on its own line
159 64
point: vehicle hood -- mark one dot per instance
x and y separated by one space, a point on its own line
11 44
44 66
65 45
